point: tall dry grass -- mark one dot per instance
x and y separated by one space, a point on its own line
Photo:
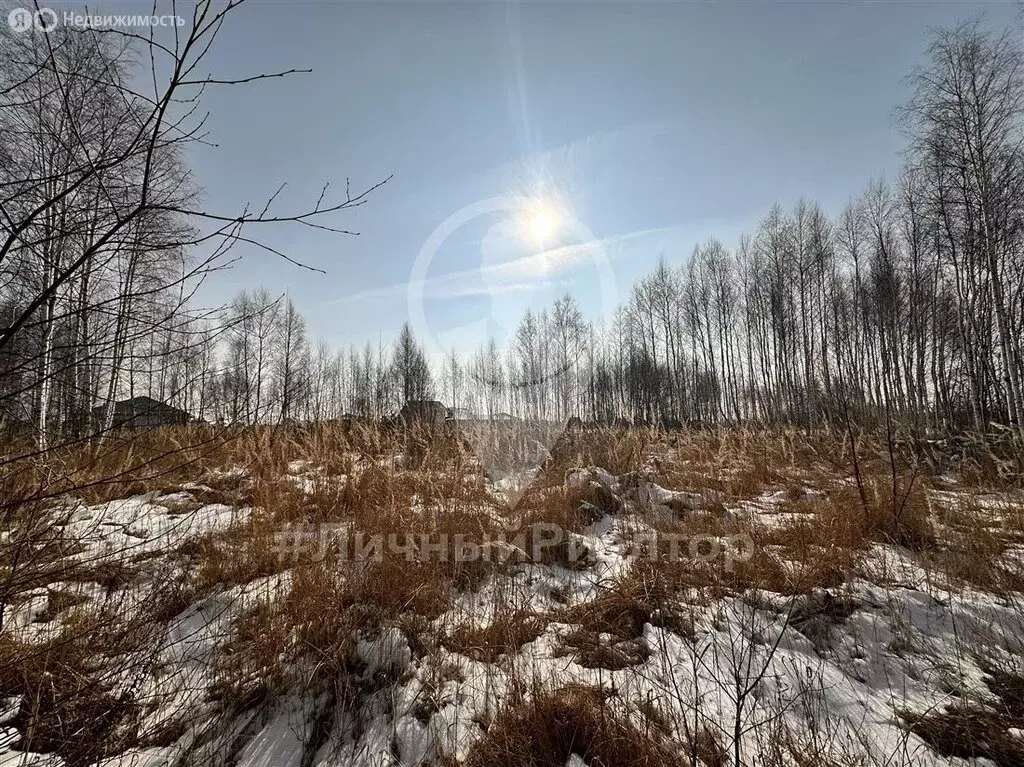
842 496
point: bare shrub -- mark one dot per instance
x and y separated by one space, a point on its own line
505 634
547 729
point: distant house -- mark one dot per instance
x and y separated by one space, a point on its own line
423 411
461 414
143 413
347 421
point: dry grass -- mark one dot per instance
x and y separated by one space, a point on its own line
504 635
508 446
410 487
708 557
971 729
643 595
66 708
890 511
546 513
316 620
618 451
240 554
835 507
738 462
398 557
545 730
73 701
592 650
976 540
35 552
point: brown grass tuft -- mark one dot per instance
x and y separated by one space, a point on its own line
503 635
545 731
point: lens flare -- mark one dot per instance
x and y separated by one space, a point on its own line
542 222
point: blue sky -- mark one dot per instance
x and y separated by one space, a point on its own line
645 127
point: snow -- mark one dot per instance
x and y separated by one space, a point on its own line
141 757
389 652
143 524
906 644
24 759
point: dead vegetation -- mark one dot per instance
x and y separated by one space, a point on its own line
391 526
642 596
72 703
504 635
544 730
973 729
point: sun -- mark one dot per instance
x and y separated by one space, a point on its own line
542 222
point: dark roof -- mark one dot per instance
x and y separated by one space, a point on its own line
140 403
423 409
143 401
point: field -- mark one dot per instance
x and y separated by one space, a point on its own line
359 595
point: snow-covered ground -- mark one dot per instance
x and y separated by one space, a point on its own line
837 673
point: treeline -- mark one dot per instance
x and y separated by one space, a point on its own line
909 303
103 236
94 259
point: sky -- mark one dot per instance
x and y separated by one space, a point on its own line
535 148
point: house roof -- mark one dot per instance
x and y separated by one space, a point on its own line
423 404
142 403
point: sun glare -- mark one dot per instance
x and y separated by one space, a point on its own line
542 222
